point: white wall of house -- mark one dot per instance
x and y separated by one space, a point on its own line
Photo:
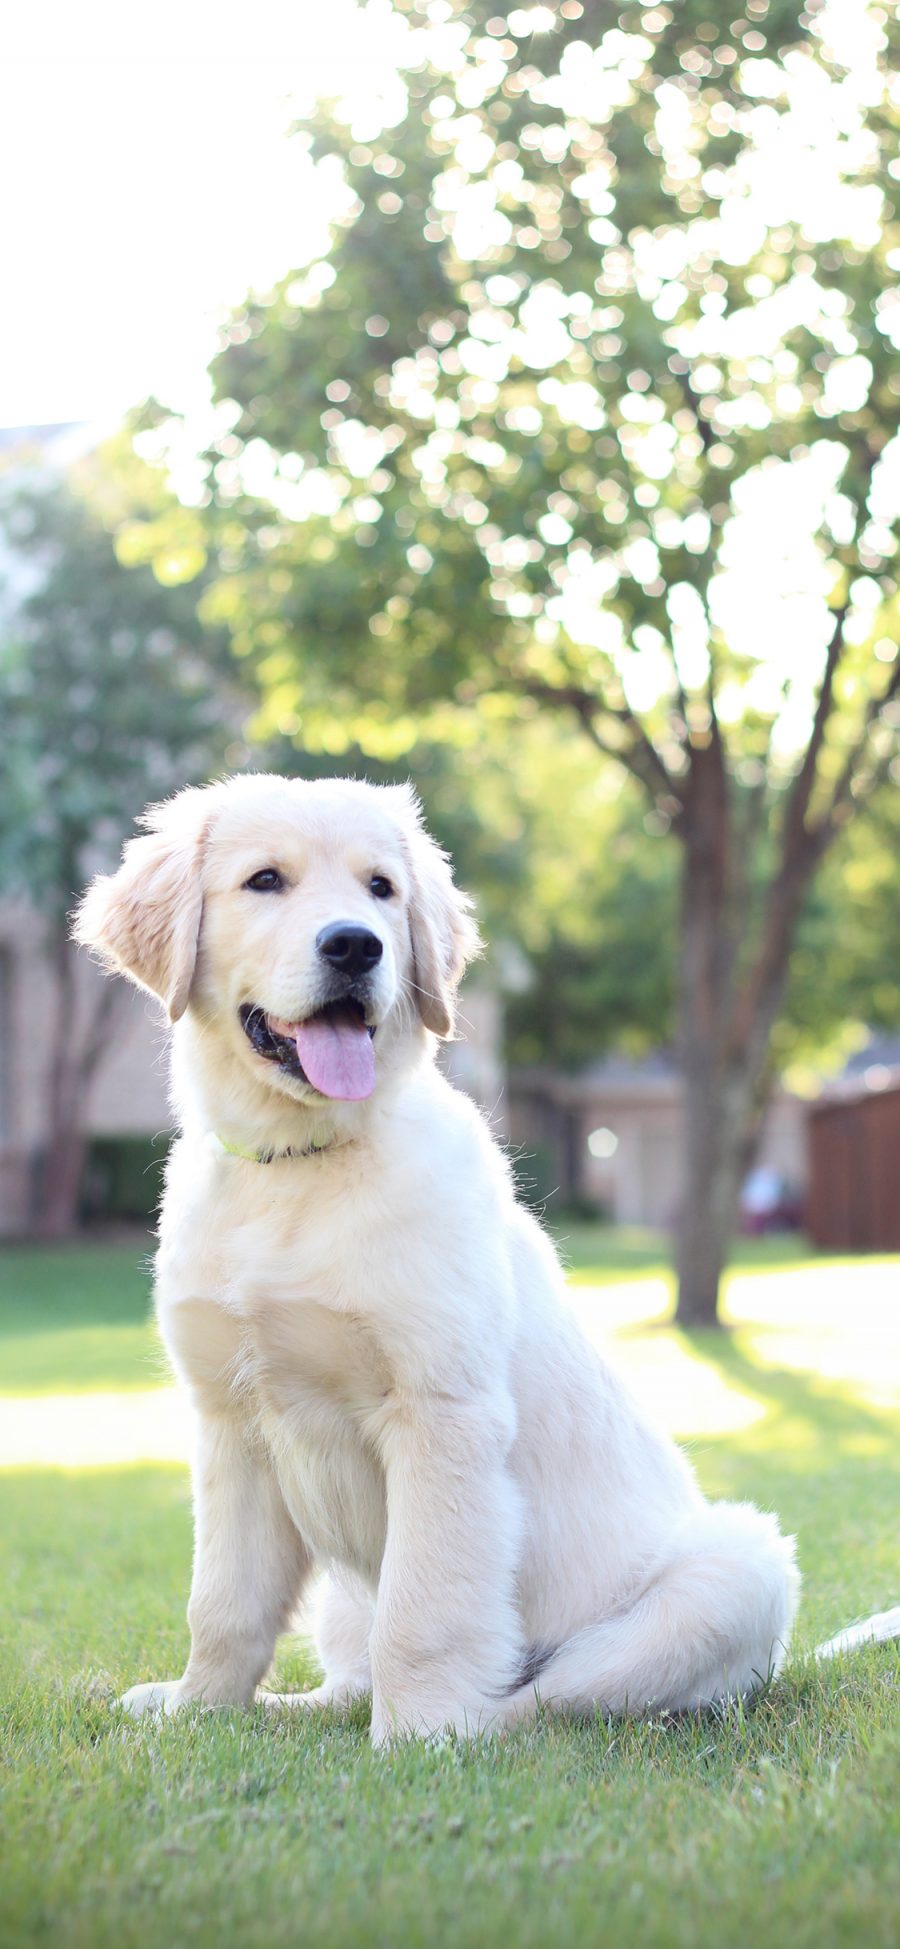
128 1092
474 1060
633 1170
639 1183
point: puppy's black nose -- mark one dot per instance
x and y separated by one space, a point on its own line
348 948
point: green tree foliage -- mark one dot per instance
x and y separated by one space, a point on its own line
599 913
844 975
505 422
110 694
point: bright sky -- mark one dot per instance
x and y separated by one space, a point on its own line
149 182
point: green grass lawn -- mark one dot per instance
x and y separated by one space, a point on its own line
76 1318
779 1824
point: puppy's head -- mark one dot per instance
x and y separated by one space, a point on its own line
311 928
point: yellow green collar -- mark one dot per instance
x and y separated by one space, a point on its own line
267 1156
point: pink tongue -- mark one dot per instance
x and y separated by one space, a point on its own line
338 1058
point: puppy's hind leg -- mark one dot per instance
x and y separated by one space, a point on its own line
344 1615
713 1622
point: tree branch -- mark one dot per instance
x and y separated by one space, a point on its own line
831 821
743 899
802 789
96 1033
759 999
715 728
707 432
639 756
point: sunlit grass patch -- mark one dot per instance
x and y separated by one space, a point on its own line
772 1823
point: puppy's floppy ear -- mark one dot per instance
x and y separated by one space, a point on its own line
144 921
443 934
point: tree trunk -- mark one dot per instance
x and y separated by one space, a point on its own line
62 1170
62 1163
726 1026
718 1143
713 1099
82 1017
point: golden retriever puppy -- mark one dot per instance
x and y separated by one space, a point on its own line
387 1382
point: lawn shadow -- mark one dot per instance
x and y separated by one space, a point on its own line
805 1413
826 1462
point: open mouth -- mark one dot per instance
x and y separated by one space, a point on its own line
331 1050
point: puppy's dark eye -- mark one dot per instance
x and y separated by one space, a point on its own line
267 880
380 887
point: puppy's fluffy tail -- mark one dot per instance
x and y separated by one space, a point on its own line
713 1623
883 1628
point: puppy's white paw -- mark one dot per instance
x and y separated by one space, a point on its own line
158 1699
339 1695
435 1726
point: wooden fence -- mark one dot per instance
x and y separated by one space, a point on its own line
854 1190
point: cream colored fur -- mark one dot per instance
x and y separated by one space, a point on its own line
387 1381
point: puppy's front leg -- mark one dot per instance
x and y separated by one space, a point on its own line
250 1565
446 1642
